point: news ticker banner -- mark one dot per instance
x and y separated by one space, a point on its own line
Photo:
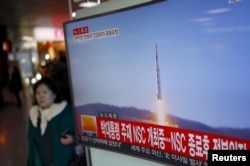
165 143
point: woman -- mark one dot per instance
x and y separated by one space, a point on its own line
51 127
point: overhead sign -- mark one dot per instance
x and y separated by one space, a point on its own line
48 34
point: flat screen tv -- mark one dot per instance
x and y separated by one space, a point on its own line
167 81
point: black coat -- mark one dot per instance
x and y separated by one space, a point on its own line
15 83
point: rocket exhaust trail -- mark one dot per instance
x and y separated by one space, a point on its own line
160 107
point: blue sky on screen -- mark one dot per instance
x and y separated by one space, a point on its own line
204 59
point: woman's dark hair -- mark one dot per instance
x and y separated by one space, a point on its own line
51 85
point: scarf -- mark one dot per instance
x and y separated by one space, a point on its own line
46 115
44 119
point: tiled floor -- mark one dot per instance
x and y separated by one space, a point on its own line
13 131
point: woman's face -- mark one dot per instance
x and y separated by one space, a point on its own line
44 96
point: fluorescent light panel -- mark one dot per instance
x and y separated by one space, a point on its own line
89 3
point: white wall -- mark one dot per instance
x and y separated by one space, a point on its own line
107 158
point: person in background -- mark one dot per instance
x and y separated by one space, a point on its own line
58 72
51 127
15 83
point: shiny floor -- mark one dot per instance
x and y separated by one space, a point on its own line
13 129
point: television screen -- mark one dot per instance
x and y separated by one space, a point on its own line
166 81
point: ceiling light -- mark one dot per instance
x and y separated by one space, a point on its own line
89 3
47 56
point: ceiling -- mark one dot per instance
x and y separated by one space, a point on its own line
21 16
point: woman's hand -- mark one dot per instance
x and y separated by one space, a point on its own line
67 139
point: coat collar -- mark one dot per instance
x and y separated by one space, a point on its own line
54 110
